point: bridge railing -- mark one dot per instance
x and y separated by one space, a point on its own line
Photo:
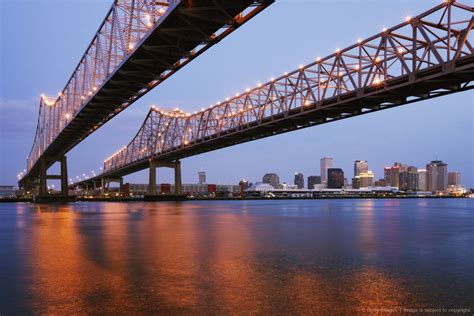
436 38
126 24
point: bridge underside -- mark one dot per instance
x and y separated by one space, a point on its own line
430 83
173 44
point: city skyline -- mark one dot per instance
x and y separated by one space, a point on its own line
452 177
334 139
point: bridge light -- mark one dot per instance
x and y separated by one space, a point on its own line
356 67
340 74
301 66
161 11
359 41
307 103
408 18
259 85
68 116
272 79
318 59
377 81
94 88
401 50
338 50
384 29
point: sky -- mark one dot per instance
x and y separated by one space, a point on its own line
42 41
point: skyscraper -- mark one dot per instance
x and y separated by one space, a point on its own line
202 177
335 178
360 166
437 176
422 185
313 180
326 163
366 179
454 178
408 179
299 180
392 174
271 178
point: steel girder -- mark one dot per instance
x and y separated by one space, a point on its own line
427 56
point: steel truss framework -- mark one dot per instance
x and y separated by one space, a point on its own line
139 44
426 56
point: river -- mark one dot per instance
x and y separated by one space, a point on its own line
238 257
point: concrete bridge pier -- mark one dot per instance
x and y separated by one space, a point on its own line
153 164
104 184
43 177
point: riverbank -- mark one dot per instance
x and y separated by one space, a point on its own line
181 198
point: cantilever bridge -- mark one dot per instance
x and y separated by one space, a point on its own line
139 44
426 56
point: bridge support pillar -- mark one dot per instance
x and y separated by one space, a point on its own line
102 186
42 177
177 177
152 178
153 164
64 186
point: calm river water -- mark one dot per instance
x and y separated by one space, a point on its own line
327 257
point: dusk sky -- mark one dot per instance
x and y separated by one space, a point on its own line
42 41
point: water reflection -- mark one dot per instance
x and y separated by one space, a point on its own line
306 257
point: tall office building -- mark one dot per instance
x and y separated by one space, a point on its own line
408 179
392 174
326 163
202 177
299 180
422 181
313 180
437 176
366 179
360 166
335 178
271 178
454 178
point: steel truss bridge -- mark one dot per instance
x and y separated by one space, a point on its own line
426 56
139 44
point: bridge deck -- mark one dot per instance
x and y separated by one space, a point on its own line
430 83
171 45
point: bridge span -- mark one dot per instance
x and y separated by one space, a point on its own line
426 56
139 44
